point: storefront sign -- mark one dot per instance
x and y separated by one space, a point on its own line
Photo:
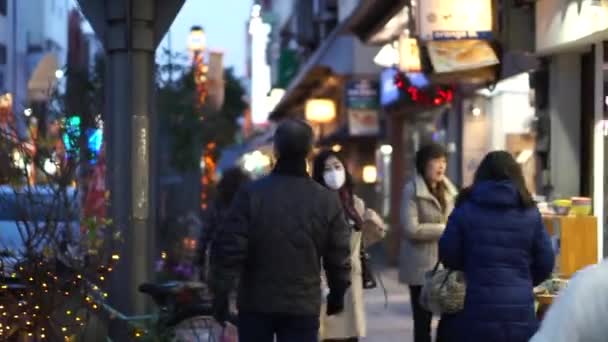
461 55
455 19
362 107
567 25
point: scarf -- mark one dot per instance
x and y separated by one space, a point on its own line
348 202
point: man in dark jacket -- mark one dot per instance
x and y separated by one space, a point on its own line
278 232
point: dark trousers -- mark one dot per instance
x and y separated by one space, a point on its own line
258 327
422 318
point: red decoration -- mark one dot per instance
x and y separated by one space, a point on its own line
429 96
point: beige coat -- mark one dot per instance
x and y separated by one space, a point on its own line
351 322
423 223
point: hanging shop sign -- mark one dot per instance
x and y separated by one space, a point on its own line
455 19
461 55
362 107
409 55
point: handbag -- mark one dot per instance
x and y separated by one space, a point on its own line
443 291
369 281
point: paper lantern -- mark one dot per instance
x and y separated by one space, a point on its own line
320 110
370 174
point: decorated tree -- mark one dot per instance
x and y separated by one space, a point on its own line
54 254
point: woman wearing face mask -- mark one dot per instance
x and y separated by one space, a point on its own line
367 229
427 202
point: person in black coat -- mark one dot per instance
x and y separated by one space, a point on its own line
496 236
279 232
232 180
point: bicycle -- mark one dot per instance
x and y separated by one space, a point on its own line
184 315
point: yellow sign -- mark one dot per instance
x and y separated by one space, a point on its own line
461 55
409 55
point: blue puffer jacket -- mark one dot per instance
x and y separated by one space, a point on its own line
504 250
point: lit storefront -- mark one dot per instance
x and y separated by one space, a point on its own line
501 118
571 99
437 55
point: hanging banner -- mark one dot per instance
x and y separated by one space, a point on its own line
95 193
362 104
461 55
455 19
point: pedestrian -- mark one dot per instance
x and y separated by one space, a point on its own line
580 312
280 230
367 228
232 180
496 236
427 201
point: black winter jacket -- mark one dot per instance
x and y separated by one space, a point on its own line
278 232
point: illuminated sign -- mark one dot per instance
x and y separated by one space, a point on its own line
455 19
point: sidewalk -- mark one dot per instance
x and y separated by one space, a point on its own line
392 323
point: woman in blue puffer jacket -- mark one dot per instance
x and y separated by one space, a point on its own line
496 236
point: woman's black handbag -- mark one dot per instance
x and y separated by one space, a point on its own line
369 281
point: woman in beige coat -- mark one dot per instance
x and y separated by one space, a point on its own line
368 228
428 200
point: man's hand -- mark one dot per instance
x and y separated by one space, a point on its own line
335 303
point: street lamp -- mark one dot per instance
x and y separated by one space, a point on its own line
197 40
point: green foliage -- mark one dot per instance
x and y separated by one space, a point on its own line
190 128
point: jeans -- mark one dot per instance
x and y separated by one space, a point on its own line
422 318
259 327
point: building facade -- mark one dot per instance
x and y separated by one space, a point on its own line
33 45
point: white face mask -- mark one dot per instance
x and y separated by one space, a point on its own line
335 179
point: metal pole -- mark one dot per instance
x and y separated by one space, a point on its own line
131 29
130 70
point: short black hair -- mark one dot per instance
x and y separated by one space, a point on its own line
230 183
293 139
428 153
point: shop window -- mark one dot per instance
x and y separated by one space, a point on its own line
3 7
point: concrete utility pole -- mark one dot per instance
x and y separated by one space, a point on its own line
130 31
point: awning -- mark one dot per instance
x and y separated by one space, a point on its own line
335 55
231 155
371 16
43 80
309 74
342 135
